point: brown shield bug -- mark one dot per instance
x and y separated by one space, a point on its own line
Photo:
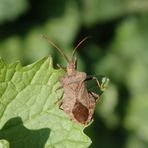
77 102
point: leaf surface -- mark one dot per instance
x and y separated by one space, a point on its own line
29 108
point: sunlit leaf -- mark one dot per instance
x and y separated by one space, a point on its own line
29 108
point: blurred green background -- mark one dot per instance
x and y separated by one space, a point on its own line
118 49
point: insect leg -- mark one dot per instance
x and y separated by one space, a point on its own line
93 78
104 82
96 96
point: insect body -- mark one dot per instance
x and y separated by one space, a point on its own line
77 102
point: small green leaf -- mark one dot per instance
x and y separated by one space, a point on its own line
29 110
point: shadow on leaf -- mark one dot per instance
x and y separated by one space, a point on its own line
19 136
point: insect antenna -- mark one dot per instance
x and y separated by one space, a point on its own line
54 45
79 45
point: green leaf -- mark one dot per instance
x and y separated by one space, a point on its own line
4 144
29 108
